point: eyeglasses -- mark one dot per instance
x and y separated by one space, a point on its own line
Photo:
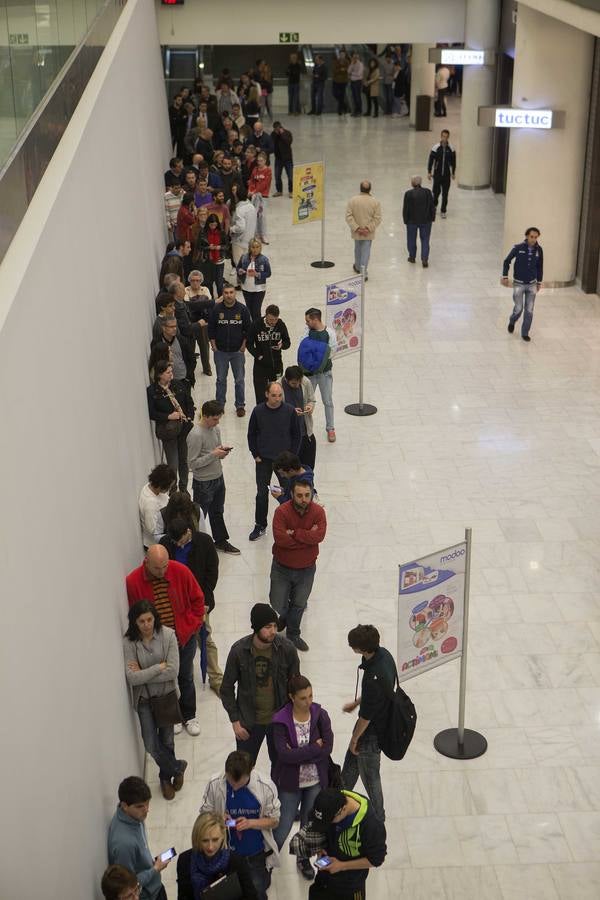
132 894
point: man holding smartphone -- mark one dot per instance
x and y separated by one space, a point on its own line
349 840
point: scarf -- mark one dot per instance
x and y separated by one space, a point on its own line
204 869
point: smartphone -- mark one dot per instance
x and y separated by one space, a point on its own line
168 854
227 448
322 861
230 823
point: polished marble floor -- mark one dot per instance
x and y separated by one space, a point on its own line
474 428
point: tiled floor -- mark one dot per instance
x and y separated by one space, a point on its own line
474 428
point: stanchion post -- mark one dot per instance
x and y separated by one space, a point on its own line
461 742
323 263
361 408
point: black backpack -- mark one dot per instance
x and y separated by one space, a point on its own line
395 730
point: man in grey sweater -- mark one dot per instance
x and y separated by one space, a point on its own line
205 452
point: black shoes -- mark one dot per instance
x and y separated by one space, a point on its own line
511 327
425 264
257 532
178 779
526 337
226 547
411 259
305 869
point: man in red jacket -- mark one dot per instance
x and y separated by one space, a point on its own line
299 526
178 597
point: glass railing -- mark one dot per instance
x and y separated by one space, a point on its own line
48 52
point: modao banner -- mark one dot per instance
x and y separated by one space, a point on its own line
307 202
430 610
342 300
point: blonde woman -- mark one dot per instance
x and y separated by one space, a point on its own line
253 269
209 860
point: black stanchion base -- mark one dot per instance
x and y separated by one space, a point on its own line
322 264
446 743
360 409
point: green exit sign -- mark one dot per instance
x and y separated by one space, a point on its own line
289 37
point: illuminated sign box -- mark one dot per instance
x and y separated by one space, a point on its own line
463 57
512 117
459 56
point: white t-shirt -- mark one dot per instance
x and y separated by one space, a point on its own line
151 521
308 774
250 282
441 78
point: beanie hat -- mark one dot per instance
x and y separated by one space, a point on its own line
262 614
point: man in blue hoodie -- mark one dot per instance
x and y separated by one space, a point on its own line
127 840
528 274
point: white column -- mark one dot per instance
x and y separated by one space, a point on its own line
553 70
422 77
479 86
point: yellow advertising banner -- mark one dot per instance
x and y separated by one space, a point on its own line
307 203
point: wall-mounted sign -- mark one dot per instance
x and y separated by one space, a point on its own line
523 118
459 56
18 39
511 117
289 37
463 57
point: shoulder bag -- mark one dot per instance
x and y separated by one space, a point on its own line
165 708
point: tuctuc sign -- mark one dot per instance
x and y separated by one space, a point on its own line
513 117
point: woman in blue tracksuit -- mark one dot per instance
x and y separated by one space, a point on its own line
253 270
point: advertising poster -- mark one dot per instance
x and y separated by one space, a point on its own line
430 611
307 202
342 300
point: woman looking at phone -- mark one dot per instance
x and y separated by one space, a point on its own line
151 666
303 742
209 860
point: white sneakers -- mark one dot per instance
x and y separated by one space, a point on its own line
192 726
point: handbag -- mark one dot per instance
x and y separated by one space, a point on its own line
334 772
226 888
169 430
165 709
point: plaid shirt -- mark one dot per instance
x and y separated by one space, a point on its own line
307 843
172 204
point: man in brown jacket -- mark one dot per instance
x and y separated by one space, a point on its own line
363 215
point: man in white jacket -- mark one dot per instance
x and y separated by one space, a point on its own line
243 228
248 800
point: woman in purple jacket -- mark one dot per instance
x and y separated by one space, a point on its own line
303 743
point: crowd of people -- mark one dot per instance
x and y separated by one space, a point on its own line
216 194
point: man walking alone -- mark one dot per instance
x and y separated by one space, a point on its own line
363 215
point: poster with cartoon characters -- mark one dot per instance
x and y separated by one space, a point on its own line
342 300
430 611
307 193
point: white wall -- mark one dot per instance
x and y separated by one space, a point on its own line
335 22
76 291
568 11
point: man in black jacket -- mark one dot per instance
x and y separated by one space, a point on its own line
261 665
228 327
261 140
418 212
196 550
272 429
282 148
442 166
317 88
267 337
378 682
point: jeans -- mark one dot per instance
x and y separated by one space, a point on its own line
373 106
443 185
253 744
356 91
287 166
223 359
210 497
388 94
203 346
362 253
176 457
289 593
339 92
185 679
316 97
366 765
293 99
158 742
411 240
324 380
289 804
526 293
253 301
264 470
261 220
260 875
